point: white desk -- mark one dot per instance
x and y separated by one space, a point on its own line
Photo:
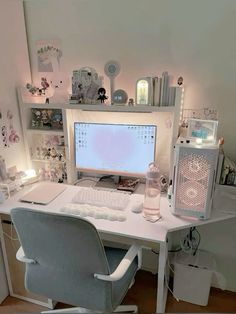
135 227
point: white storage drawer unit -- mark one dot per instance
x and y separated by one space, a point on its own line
3 280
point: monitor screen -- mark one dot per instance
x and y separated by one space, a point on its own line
122 149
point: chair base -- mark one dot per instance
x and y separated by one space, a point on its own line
119 309
126 309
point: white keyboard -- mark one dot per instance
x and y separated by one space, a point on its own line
111 199
84 210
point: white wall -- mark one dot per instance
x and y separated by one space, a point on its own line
15 71
195 39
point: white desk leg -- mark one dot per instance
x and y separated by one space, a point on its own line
161 286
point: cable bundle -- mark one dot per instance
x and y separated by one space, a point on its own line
191 241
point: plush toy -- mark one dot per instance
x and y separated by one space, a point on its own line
59 88
53 174
32 89
53 153
42 174
48 154
102 94
38 91
44 84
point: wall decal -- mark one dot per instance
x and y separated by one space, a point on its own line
9 134
4 136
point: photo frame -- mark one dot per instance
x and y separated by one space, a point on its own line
206 130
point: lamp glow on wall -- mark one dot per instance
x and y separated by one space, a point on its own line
181 105
30 177
144 91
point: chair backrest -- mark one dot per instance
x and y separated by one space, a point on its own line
68 251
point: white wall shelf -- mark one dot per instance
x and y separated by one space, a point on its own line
99 107
124 108
45 131
48 161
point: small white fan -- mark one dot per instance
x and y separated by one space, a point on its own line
112 69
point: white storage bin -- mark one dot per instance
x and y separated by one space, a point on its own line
225 198
193 276
3 280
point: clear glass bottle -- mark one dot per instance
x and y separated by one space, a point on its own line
151 205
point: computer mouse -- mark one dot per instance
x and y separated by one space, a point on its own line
136 207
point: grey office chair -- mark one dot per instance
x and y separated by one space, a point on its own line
67 262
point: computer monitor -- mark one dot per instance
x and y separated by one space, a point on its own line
117 149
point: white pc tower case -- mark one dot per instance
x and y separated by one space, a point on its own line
193 179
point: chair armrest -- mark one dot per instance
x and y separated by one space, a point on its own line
134 250
20 256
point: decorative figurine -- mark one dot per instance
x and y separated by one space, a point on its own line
46 118
38 153
44 84
32 89
48 154
163 183
131 102
102 95
38 91
59 89
80 94
53 153
42 174
180 81
36 118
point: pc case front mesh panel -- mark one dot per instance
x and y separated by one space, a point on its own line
195 168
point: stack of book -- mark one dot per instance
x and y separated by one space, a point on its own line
226 172
164 94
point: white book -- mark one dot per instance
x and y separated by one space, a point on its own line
167 85
161 90
164 89
157 91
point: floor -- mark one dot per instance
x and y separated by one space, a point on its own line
143 294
